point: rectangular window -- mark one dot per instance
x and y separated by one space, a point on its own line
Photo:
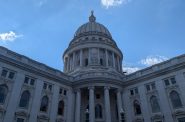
65 92
26 79
136 91
131 92
50 87
153 86
166 81
32 82
60 92
11 75
148 87
45 86
4 73
173 81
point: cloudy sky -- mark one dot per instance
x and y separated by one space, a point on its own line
147 31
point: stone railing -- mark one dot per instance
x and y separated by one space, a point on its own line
157 67
23 59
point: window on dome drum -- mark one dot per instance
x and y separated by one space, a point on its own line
20 120
154 104
61 108
137 108
97 96
101 61
98 111
3 93
44 104
24 101
175 99
170 81
86 62
181 119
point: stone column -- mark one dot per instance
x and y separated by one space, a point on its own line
81 58
73 66
113 60
78 106
119 103
106 58
91 104
118 63
54 103
70 105
107 104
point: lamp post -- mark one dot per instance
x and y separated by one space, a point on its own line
87 115
122 114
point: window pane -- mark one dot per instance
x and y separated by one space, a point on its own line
136 90
148 87
32 82
4 73
24 101
61 108
173 81
3 93
154 104
11 75
153 86
26 80
45 86
131 92
167 83
44 104
175 99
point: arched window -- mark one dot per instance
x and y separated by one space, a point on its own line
175 99
44 104
3 93
154 104
24 101
137 108
61 108
98 111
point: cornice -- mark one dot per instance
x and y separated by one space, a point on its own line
67 80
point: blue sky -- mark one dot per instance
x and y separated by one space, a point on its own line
147 31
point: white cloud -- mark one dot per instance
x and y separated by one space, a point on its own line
109 3
9 36
151 60
130 70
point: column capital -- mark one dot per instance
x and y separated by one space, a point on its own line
77 90
91 87
119 90
106 87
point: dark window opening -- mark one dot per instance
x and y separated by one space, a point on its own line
44 104
101 61
86 62
24 101
4 73
61 108
11 75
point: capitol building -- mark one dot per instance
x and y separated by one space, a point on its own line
92 87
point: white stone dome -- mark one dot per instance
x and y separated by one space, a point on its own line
92 27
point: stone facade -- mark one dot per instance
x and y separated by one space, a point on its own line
93 87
